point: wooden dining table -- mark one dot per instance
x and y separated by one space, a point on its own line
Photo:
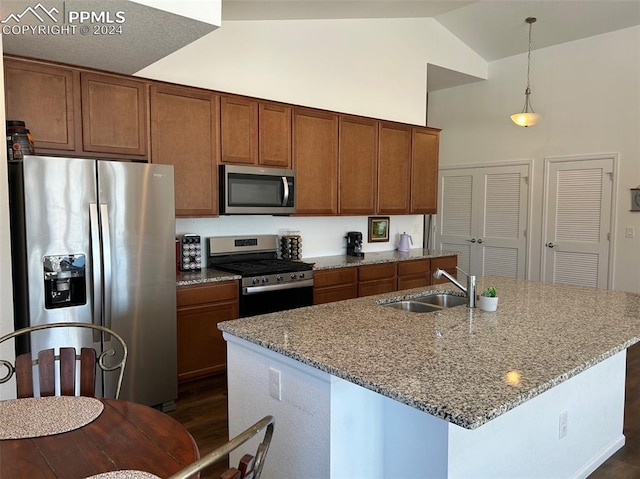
125 436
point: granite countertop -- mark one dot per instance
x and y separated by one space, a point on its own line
344 261
206 275
463 365
210 275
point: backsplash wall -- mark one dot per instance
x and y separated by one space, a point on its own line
321 236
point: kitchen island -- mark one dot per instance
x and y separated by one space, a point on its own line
361 390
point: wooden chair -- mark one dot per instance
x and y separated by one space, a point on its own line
250 467
67 359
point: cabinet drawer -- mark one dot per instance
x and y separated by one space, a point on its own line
377 271
408 282
380 286
335 277
447 262
207 293
335 293
409 268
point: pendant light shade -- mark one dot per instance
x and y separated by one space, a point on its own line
527 117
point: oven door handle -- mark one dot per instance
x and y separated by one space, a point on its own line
275 287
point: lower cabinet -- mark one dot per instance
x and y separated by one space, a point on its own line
201 348
377 279
335 285
414 274
352 282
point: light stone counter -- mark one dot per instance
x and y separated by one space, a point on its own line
344 261
206 275
464 366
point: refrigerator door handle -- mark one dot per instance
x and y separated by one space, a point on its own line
106 261
94 231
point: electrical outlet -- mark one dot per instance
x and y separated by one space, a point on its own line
562 424
629 232
275 386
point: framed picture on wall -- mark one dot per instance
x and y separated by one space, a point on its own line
378 229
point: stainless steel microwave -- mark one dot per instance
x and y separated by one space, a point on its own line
255 190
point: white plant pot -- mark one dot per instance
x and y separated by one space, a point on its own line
485 303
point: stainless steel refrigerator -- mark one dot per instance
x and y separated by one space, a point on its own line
94 241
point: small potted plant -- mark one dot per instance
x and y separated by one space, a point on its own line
488 300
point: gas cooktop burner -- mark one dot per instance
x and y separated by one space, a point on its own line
264 266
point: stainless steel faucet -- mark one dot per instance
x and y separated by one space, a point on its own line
469 291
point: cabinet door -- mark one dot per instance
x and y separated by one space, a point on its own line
175 110
201 348
376 279
447 263
239 124
275 135
358 165
114 115
414 274
315 158
394 161
335 285
424 171
47 99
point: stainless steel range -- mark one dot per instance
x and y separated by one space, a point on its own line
268 284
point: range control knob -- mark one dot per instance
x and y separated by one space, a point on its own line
279 278
293 276
255 281
265 279
301 275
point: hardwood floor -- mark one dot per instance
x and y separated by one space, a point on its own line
202 409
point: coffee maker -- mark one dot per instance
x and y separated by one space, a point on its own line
354 244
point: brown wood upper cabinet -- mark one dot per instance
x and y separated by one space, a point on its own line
239 125
175 110
394 169
47 99
424 170
255 133
315 159
274 122
358 165
114 115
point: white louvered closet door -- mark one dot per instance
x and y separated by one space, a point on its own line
576 249
483 214
501 241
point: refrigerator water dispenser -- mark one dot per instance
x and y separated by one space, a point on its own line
64 281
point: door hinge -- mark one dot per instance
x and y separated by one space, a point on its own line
526 179
524 233
610 173
608 236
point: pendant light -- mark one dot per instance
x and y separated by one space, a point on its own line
527 117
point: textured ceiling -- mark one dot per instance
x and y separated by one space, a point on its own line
146 35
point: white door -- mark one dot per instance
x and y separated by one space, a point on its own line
483 214
578 221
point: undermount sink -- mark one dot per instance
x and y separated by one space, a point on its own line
428 304
443 300
413 306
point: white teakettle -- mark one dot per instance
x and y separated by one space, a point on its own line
403 243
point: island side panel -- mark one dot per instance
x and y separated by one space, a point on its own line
301 441
525 443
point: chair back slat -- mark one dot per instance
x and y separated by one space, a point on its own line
247 462
46 372
67 371
65 376
88 372
24 376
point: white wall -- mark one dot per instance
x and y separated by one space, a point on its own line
321 236
588 93
373 67
6 300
